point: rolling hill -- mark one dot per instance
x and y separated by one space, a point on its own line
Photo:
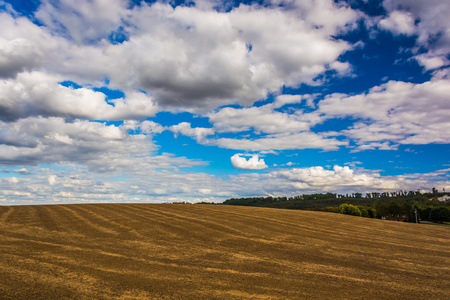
167 251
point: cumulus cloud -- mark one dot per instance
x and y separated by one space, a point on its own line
282 100
318 176
82 20
282 141
342 180
147 127
253 163
432 62
169 185
18 55
198 133
399 22
51 179
185 57
272 130
37 93
396 112
386 116
22 171
99 147
151 127
431 27
431 15
75 187
13 180
261 119
23 45
317 179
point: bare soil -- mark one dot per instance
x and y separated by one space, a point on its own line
176 251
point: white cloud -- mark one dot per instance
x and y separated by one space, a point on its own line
82 20
432 27
297 181
282 100
339 179
431 62
23 45
51 179
273 130
22 171
37 93
18 55
198 133
432 14
395 112
261 119
75 186
342 68
399 22
390 114
186 58
147 127
253 163
282 141
99 147
151 127
13 180
287 48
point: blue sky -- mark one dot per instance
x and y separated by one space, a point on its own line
134 101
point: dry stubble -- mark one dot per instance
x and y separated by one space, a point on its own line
149 251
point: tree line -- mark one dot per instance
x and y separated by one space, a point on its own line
407 206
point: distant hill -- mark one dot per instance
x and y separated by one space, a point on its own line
165 251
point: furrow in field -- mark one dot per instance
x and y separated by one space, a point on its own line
23 215
65 220
5 211
88 222
46 218
107 220
361 230
259 221
45 281
151 225
235 227
115 215
166 224
258 225
197 223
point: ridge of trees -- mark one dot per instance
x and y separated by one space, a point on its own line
408 206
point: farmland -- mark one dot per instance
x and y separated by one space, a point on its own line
167 251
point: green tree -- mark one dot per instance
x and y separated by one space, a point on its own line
372 212
408 212
440 214
382 210
331 209
349 209
364 212
395 211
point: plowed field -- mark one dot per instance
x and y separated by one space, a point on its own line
175 251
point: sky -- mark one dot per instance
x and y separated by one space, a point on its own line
169 101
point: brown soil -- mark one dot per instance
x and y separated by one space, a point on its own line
175 251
